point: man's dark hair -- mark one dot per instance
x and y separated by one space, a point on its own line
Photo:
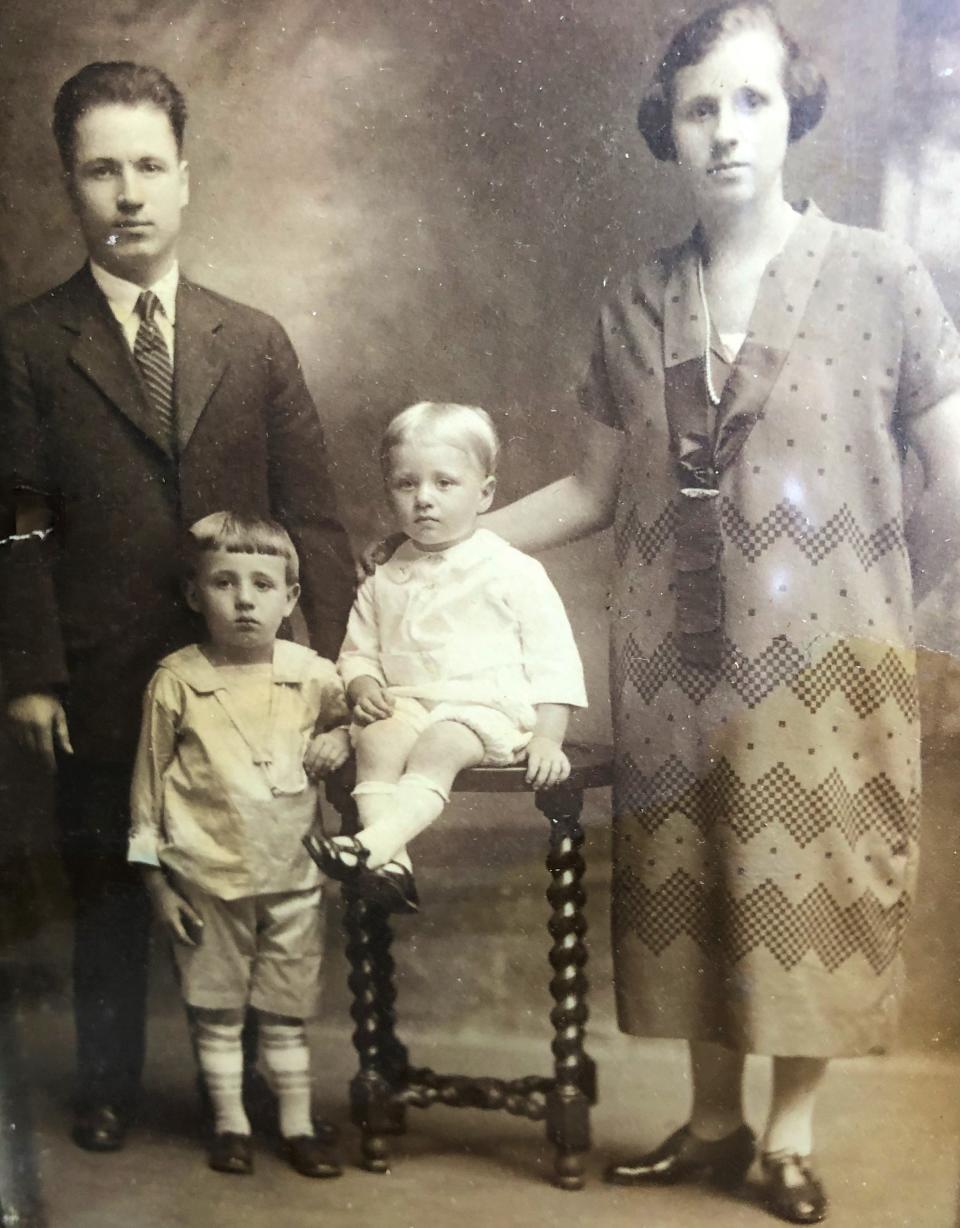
805 88
111 82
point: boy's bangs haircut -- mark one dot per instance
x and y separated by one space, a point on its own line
238 534
465 426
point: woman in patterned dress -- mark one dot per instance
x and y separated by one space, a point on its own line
750 400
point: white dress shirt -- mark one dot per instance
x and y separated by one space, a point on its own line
122 297
479 623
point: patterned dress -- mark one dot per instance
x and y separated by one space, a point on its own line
766 801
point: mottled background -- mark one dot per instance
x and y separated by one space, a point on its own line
431 195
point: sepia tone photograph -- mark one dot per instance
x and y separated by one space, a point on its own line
479 613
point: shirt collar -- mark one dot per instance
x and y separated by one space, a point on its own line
464 554
122 295
192 667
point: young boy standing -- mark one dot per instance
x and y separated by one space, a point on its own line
221 801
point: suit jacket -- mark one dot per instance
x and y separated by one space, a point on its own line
91 609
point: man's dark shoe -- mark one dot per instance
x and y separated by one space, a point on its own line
100 1128
312 1157
231 1153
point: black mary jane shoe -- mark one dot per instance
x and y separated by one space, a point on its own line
311 1156
231 1153
391 887
793 1192
343 858
683 1156
100 1128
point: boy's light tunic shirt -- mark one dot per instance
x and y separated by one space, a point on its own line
219 799
477 623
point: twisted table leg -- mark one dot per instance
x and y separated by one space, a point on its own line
574 1090
375 1108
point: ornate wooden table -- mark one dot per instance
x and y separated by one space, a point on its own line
386 1082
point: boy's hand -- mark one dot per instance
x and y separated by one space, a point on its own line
547 765
326 752
370 701
172 909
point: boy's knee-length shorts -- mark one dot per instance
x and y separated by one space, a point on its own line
261 951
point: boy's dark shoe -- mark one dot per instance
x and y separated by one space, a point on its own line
100 1128
231 1153
311 1156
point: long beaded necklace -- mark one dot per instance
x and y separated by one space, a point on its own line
712 394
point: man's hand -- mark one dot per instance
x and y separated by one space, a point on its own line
327 752
39 724
547 765
375 553
370 701
172 909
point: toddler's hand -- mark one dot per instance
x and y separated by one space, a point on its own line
546 763
326 752
370 701
173 911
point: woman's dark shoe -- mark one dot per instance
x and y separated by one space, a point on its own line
683 1155
311 1156
343 858
391 887
792 1191
231 1153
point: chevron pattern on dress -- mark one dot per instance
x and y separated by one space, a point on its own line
781 663
646 539
775 799
787 520
765 918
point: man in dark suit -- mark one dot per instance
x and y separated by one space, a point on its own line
132 403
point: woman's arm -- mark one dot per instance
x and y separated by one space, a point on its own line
573 507
933 531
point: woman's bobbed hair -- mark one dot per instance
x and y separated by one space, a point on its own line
803 84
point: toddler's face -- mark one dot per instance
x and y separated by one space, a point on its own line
437 491
243 598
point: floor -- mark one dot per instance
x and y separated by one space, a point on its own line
888 1139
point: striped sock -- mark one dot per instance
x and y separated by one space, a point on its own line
221 1063
283 1048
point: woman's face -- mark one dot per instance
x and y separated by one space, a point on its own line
731 118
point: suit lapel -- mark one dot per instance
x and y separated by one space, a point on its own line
200 356
102 354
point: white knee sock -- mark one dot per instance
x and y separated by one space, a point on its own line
221 1064
419 802
283 1047
376 803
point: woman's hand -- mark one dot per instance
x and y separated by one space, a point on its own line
172 909
370 701
547 765
326 752
375 553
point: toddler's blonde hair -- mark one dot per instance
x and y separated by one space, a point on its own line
465 426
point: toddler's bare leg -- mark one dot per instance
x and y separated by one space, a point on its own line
382 749
439 753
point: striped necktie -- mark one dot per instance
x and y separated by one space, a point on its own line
153 358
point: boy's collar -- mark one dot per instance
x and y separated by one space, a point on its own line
192 667
476 546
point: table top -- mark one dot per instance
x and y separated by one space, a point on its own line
591 767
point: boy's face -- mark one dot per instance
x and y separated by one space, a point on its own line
437 491
128 185
243 598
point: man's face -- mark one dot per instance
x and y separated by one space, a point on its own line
128 186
